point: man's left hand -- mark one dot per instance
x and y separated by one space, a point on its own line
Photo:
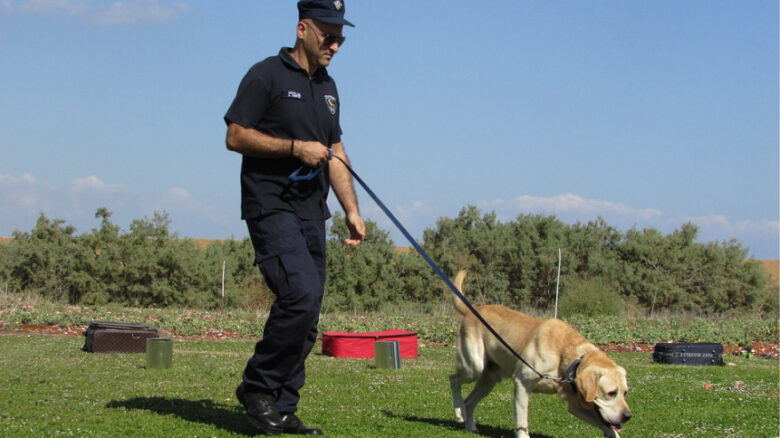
357 229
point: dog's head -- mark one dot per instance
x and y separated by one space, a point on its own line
600 397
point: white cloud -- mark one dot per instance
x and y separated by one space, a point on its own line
21 195
94 184
50 7
179 194
566 203
719 221
90 182
26 178
101 13
9 180
761 236
415 210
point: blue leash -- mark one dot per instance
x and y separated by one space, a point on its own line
296 175
568 376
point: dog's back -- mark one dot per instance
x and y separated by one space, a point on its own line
479 345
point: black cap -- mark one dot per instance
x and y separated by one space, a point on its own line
327 11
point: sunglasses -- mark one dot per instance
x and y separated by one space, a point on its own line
328 38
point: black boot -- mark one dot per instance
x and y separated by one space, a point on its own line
292 424
261 410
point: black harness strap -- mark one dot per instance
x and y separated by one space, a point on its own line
570 375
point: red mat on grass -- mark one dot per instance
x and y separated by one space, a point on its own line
361 345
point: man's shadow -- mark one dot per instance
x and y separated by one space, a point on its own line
232 419
226 417
484 430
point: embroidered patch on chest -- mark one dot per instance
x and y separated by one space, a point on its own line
331 102
292 94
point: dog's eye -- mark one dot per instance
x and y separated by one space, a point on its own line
612 394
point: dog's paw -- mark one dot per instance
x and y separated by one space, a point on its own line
459 415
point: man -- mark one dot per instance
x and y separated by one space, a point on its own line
284 121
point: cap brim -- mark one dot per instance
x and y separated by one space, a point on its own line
334 20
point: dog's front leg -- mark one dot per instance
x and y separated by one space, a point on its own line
521 409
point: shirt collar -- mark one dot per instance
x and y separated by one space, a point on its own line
284 54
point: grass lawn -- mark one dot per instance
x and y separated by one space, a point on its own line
49 387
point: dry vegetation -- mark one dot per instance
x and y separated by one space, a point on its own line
204 243
772 268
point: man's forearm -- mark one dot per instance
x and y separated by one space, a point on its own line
251 142
341 181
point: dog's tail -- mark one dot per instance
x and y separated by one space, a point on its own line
459 306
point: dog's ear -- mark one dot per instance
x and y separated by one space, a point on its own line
588 383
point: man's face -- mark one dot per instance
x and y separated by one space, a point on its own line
321 41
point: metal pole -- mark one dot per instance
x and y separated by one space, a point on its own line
557 282
223 281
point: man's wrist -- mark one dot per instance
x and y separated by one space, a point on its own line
292 148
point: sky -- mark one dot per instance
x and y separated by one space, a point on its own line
649 114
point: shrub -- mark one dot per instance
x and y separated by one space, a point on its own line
590 297
513 263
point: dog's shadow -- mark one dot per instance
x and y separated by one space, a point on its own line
484 430
226 417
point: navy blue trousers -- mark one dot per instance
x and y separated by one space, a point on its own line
291 255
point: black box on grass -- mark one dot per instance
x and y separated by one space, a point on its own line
117 337
702 353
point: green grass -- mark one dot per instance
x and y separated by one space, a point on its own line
49 387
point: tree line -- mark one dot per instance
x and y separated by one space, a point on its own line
602 270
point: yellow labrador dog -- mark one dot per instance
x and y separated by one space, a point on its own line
551 346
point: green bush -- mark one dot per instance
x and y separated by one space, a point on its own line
513 263
589 297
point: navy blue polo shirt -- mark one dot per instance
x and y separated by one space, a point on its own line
277 98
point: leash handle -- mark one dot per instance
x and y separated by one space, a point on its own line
441 274
297 176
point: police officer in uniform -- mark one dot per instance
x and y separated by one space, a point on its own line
284 121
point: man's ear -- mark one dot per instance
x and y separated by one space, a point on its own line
588 384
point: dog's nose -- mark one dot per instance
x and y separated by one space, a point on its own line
626 416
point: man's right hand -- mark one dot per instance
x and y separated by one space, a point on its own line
251 142
311 153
